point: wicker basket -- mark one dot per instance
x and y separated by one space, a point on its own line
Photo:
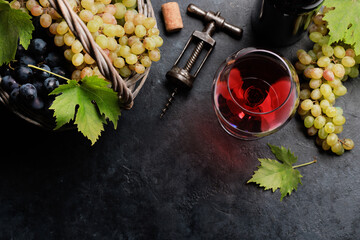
127 88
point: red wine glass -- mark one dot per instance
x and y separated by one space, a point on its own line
255 93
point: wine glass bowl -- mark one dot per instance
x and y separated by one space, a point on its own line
255 93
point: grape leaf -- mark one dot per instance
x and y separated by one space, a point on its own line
88 103
15 27
344 22
274 174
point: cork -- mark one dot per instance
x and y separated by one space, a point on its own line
172 16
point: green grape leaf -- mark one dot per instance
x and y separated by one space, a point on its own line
274 174
15 27
88 103
283 154
344 22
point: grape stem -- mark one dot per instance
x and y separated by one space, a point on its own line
57 75
343 142
9 65
334 59
305 164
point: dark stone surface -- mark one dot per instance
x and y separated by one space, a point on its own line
181 177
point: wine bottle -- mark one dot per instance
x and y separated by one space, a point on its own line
282 22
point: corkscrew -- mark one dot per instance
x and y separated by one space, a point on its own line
182 78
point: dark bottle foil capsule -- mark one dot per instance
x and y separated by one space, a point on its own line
282 22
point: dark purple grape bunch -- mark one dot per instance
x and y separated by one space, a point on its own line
28 85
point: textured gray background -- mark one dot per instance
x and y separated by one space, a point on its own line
180 177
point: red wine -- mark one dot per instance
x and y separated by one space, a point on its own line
256 95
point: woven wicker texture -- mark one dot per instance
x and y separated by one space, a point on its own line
127 88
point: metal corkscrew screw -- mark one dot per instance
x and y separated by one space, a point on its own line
182 77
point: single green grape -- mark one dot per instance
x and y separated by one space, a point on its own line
348 61
339 120
312 131
158 40
315 94
316 110
154 55
119 62
139 68
86 15
325 89
87 4
76 47
137 48
145 61
102 41
77 59
93 26
338 129
329 127
340 91
327 50
304 94
131 59
140 31
153 31
332 139
139 19
348 144
133 39
315 36
337 148
325 146
330 111
129 3
305 58
323 61
324 40
63 28
354 72
322 134
319 122
317 73
129 28
120 10
328 74
324 104
309 121
123 40
109 30
339 70
315 83
125 71
149 22
335 83
69 39
68 54
112 44
312 55
331 98
124 51
149 43
306 104
339 51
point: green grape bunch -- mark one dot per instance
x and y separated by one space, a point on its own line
325 68
130 39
